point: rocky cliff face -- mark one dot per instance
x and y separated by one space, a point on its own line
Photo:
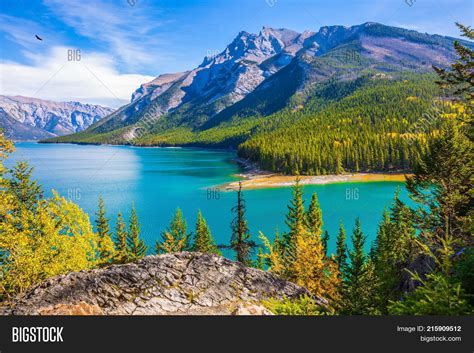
174 284
26 118
221 80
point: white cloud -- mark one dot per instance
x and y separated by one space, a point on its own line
94 79
129 32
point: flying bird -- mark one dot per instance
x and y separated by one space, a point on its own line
38 37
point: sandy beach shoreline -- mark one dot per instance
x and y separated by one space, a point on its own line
254 178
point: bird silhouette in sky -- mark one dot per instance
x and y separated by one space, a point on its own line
37 37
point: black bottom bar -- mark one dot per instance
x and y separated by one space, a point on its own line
247 334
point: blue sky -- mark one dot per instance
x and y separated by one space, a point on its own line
125 43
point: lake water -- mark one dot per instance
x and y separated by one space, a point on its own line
158 180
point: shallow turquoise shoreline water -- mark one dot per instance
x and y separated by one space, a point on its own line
158 180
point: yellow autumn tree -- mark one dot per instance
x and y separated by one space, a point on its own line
308 265
310 268
314 270
54 239
273 256
39 238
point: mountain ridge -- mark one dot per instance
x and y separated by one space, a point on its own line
25 118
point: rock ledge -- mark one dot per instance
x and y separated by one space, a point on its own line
173 284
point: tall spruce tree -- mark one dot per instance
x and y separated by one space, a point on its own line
359 279
392 252
135 245
121 255
461 77
314 222
103 231
383 231
314 217
295 220
203 241
341 247
26 190
442 184
241 241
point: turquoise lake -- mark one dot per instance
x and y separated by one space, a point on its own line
158 180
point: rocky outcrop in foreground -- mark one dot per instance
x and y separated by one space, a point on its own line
173 284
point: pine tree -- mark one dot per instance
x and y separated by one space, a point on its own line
241 241
441 185
26 190
314 217
383 233
392 252
359 281
203 241
104 233
135 245
341 248
176 237
121 240
295 220
357 256
461 76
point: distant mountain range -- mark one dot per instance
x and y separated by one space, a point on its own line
25 118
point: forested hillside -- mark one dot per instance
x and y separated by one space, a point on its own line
374 128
